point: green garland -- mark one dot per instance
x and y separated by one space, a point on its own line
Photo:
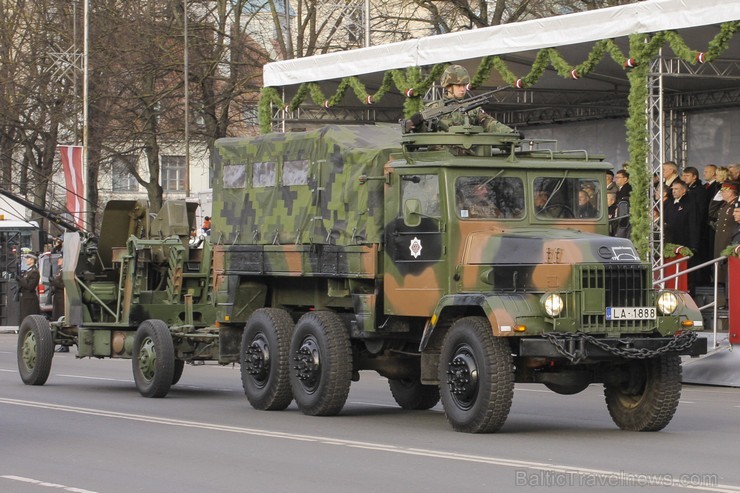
671 250
643 48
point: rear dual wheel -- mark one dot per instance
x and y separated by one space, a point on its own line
411 394
321 357
264 359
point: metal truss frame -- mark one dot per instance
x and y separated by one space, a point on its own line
667 128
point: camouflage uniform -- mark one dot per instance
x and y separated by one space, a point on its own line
481 208
458 75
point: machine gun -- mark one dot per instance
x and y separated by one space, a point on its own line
434 114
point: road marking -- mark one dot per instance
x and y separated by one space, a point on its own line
374 404
46 484
85 377
378 447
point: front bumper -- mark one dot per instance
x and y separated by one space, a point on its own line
582 347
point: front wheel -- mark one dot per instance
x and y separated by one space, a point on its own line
153 359
264 359
647 397
476 375
321 357
35 350
411 394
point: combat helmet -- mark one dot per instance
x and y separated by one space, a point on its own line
455 74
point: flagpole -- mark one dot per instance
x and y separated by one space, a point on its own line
85 184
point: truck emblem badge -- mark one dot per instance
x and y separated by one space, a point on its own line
625 253
415 247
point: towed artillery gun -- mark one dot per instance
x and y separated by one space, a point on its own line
141 291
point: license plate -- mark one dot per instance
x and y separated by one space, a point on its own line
630 313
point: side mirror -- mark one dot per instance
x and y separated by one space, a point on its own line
412 213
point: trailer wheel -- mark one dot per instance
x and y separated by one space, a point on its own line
411 394
476 374
322 358
648 397
264 359
178 369
35 350
153 359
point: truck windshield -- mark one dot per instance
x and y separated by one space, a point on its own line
489 197
567 198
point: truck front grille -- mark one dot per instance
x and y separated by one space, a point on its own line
623 285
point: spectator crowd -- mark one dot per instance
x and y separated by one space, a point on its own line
702 216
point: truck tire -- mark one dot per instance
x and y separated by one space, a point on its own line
177 372
322 358
35 350
153 359
264 359
476 375
411 394
648 398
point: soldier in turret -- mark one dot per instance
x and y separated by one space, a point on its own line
455 81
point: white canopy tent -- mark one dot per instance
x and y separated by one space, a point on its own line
566 30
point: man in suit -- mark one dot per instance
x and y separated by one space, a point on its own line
681 218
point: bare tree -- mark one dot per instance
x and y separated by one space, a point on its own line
34 98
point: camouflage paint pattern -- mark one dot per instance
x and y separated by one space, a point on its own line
343 218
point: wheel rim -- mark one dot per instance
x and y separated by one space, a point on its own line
147 359
308 364
462 377
257 360
29 351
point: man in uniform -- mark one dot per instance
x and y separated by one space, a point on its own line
28 283
725 221
478 203
455 80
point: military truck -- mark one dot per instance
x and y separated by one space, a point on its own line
142 290
454 264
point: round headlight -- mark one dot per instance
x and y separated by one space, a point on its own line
553 304
667 302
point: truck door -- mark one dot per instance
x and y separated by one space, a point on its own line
414 262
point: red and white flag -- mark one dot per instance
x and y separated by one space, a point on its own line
73 175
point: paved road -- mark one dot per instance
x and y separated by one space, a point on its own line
88 430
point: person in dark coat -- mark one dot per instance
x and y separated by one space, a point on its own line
699 196
28 283
624 187
681 218
57 298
